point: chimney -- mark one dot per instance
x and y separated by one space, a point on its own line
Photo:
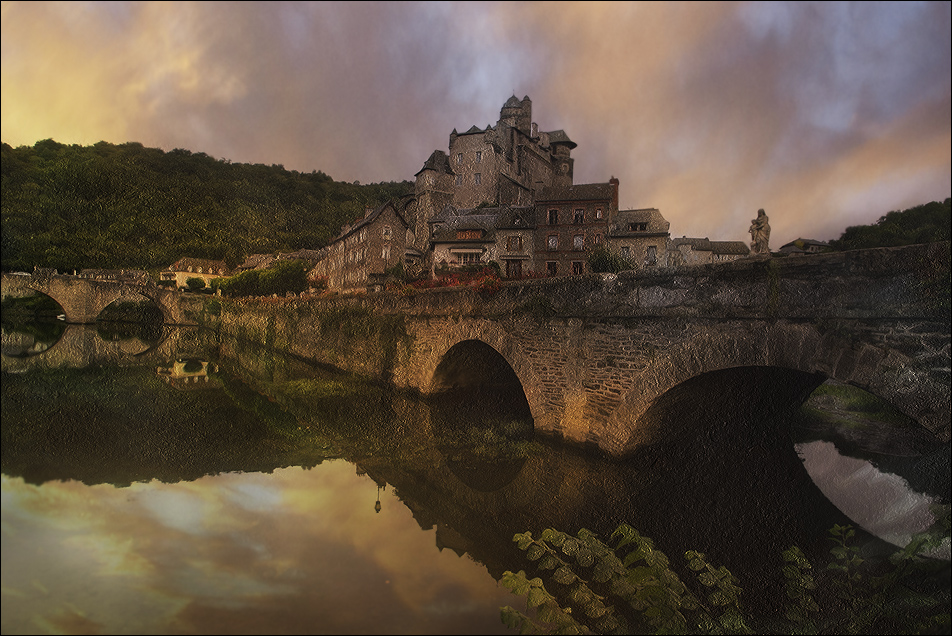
614 183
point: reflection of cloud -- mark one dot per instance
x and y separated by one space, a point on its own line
826 115
295 548
882 503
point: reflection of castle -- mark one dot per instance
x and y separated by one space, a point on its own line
503 194
188 373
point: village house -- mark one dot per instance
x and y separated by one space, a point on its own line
571 220
640 236
181 270
363 252
804 246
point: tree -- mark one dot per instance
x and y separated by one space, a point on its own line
927 223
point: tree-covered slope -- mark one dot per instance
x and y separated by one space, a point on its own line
127 206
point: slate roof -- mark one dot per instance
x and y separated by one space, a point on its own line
730 247
657 224
579 192
697 244
438 161
559 137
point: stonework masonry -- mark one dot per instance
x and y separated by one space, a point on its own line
594 353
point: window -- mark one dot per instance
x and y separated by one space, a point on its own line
651 258
577 268
459 158
513 269
553 217
467 258
514 243
552 268
637 227
598 214
459 179
479 178
553 243
386 231
625 250
597 239
578 242
579 217
479 156
385 253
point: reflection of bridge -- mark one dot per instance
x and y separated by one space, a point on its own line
81 346
83 299
596 354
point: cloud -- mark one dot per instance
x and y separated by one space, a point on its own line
824 114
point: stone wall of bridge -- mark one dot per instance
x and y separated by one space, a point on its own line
595 353
83 299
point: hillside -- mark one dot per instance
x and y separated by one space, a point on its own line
127 206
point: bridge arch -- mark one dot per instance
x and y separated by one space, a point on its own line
799 358
495 338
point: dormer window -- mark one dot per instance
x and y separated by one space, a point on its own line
637 227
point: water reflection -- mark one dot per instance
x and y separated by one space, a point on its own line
251 507
292 551
880 502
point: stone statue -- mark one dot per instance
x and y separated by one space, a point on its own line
759 234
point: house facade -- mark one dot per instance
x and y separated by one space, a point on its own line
641 236
570 221
364 251
181 270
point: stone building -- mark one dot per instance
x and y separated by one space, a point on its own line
570 220
702 251
504 194
364 251
181 270
461 238
641 236
503 165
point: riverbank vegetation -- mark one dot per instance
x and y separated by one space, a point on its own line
581 585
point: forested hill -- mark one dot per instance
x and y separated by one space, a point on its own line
127 206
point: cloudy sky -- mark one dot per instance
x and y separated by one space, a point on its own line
825 114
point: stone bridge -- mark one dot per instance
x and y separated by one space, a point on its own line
83 299
597 356
81 346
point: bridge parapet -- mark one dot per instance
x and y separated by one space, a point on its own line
83 297
595 353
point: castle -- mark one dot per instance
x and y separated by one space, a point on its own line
505 195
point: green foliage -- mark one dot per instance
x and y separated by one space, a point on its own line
194 283
109 206
585 586
927 223
283 277
602 260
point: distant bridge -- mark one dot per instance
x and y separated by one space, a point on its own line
83 299
598 355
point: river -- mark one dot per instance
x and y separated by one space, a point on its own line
172 483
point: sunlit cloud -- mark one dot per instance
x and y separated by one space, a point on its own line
824 114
